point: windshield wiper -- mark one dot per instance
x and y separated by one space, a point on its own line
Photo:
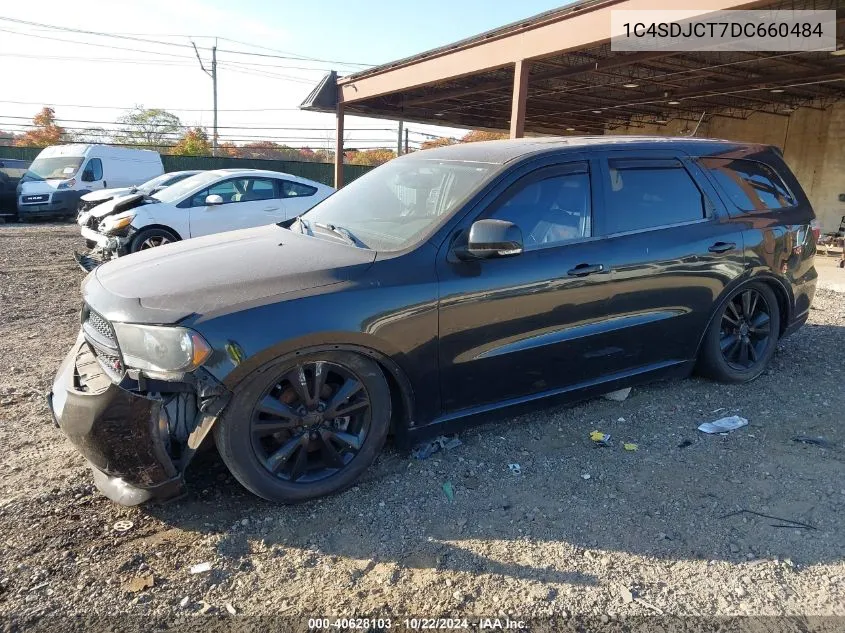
304 224
343 232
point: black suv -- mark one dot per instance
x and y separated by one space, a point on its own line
444 287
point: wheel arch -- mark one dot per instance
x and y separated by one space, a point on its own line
780 289
401 387
158 225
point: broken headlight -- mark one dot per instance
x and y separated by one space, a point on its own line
117 222
161 352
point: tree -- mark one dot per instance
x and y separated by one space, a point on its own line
441 141
45 132
229 149
371 157
150 127
474 136
194 142
8 139
90 135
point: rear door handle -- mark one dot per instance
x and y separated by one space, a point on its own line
268 209
722 247
582 270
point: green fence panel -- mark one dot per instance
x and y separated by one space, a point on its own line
321 172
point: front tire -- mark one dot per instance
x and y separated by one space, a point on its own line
150 238
743 335
305 426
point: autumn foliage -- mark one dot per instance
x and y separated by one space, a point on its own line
45 131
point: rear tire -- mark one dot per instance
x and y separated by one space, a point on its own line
150 238
743 335
305 426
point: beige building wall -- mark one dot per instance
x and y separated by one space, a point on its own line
813 143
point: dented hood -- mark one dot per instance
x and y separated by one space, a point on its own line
118 205
219 273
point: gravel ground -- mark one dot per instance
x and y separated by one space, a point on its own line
582 531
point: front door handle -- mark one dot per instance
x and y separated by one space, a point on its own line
582 270
722 247
269 209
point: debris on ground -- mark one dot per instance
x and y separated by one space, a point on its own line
685 443
723 425
440 443
619 395
231 609
787 523
516 469
139 583
815 441
600 439
630 446
449 491
200 568
585 476
123 526
184 602
626 594
648 605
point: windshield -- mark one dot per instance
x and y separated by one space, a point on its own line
63 167
175 193
401 202
155 182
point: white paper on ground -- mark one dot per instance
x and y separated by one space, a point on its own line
723 425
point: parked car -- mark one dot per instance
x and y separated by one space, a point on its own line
543 271
206 203
153 186
11 170
61 174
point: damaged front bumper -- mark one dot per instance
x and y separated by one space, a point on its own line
138 436
107 247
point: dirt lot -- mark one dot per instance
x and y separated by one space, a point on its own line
581 531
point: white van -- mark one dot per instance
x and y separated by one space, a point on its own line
60 174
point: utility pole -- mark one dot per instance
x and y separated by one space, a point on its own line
214 82
399 140
213 74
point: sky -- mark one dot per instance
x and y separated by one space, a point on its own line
90 80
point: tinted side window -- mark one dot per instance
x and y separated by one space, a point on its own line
259 189
644 194
749 184
229 190
95 167
549 211
296 189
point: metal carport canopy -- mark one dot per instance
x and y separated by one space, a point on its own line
555 73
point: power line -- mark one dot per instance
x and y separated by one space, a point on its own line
222 127
104 107
175 44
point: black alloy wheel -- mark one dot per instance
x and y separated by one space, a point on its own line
743 335
745 330
311 423
305 425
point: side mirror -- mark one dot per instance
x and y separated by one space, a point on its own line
213 200
492 238
87 176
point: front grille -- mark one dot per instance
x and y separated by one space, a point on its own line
101 337
101 325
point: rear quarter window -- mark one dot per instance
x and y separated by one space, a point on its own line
750 184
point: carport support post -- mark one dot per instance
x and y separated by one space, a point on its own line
520 94
338 149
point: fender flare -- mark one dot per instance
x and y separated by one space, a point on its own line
782 294
401 388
